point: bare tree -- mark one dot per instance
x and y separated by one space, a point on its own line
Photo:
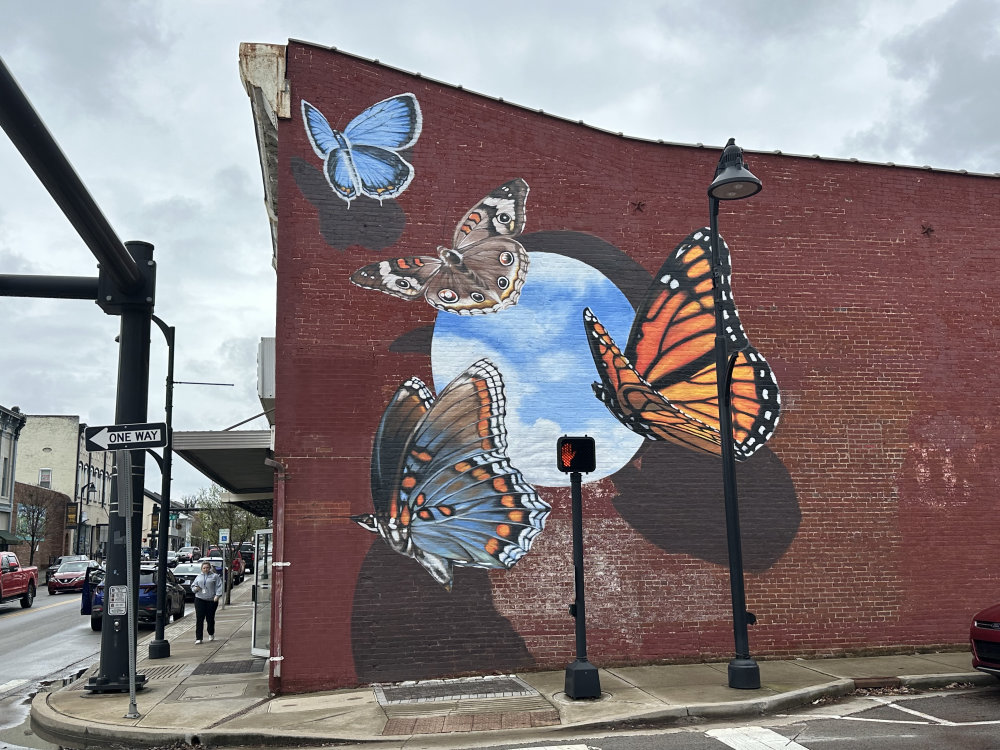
214 513
35 510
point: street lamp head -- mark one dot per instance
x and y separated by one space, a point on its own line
733 180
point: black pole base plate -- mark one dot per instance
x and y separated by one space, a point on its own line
120 685
159 649
582 680
744 674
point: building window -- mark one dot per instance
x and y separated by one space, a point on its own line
3 478
45 478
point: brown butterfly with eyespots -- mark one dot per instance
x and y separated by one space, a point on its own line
482 272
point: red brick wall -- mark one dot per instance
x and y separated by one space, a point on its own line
881 474
54 532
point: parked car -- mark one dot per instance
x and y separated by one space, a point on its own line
214 552
185 573
17 581
69 576
984 637
247 553
188 554
171 558
51 570
175 606
238 568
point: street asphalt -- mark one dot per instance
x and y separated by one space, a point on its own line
216 694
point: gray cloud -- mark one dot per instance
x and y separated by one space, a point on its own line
952 65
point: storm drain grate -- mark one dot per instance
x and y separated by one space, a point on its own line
162 672
231 667
444 690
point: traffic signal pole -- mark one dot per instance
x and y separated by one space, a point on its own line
125 287
133 389
582 678
575 455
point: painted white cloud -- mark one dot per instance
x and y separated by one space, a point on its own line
547 376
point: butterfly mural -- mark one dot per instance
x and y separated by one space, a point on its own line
443 488
664 386
482 272
364 158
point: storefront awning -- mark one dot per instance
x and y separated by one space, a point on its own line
9 538
234 460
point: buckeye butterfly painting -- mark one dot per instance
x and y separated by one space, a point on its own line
364 158
664 385
443 488
482 272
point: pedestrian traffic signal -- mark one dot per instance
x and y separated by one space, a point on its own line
576 454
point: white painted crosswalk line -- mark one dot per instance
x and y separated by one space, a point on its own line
11 685
753 738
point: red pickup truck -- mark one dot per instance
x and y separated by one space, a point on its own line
17 581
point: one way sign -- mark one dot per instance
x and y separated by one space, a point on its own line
126 437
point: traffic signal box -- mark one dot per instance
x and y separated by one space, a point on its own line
576 454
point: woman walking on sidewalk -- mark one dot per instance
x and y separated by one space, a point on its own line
207 588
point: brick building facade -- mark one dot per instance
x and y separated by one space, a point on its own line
51 531
865 286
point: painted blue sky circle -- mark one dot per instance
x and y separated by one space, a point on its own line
540 348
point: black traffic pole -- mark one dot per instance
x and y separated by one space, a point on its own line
582 677
132 404
573 456
126 287
732 182
41 152
159 647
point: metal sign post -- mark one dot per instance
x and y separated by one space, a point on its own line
124 461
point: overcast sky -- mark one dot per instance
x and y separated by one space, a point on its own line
145 100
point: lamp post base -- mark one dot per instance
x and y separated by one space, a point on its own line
582 680
159 649
744 674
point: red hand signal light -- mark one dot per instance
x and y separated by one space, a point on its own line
576 454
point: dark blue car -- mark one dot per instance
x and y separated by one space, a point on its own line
147 599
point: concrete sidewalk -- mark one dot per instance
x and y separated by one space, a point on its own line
215 694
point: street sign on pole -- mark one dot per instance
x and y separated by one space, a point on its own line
126 437
223 536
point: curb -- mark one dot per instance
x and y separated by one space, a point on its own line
59 729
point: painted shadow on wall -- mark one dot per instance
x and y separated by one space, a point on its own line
401 616
363 222
673 497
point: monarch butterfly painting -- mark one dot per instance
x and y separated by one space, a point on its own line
664 386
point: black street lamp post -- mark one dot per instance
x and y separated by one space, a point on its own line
159 647
85 492
733 181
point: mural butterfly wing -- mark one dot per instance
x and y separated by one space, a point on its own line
405 278
455 499
393 124
502 213
322 137
671 350
363 159
408 406
484 271
635 403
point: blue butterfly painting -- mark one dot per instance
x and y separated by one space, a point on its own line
443 487
364 158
